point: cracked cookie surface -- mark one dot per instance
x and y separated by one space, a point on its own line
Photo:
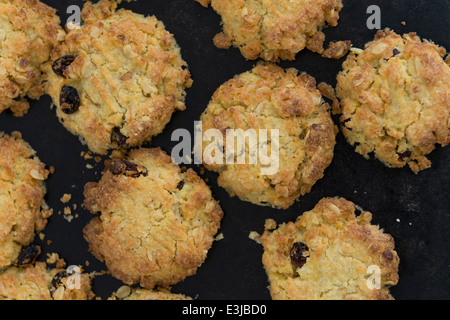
327 254
29 30
270 98
155 228
395 99
22 190
40 283
117 80
274 29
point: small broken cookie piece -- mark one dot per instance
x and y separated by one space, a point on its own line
23 210
154 229
330 253
120 100
41 283
337 50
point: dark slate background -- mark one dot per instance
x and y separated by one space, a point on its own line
413 208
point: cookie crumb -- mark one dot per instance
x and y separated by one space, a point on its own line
66 198
270 224
255 236
337 50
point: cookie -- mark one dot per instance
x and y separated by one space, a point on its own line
22 207
395 99
117 80
29 31
157 222
40 283
274 29
284 101
330 253
127 293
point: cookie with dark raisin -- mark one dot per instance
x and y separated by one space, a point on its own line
117 80
395 99
23 210
38 282
330 253
156 223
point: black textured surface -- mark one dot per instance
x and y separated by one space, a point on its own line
413 208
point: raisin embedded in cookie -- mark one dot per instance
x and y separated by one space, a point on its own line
157 222
330 253
117 80
127 293
29 31
270 98
40 283
395 98
274 29
22 207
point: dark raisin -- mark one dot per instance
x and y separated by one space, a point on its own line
395 52
127 168
388 255
60 65
299 254
28 255
118 137
404 155
57 280
180 185
69 100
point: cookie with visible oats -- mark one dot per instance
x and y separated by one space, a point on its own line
127 293
395 99
270 98
29 31
22 207
329 253
157 221
274 29
117 80
40 283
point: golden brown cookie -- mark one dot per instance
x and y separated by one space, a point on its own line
157 222
117 80
270 98
22 190
127 293
395 98
274 29
40 283
329 253
29 31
